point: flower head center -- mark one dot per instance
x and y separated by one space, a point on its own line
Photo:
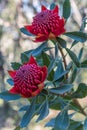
45 22
26 75
47 25
42 17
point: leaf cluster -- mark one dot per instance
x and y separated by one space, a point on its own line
58 93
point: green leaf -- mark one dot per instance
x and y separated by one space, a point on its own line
81 29
73 106
52 6
63 103
73 57
61 90
69 65
81 92
80 127
83 64
50 76
73 74
74 125
59 70
54 104
24 58
5 95
50 123
24 108
62 42
85 124
71 115
50 70
37 51
62 121
23 30
15 65
78 36
10 81
39 60
66 9
46 60
44 111
74 43
51 65
80 53
47 48
29 52
44 92
17 128
61 75
28 115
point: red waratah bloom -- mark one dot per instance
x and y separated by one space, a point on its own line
46 25
28 79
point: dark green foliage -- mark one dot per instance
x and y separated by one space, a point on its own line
81 92
24 108
61 89
8 96
59 72
75 125
80 53
62 121
62 42
23 30
85 124
73 57
52 6
15 65
10 81
46 59
51 65
50 123
38 50
24 58
17 128
83 64
74 73
55 104
44 111
50 70
59 92
78 36
66 9
28 115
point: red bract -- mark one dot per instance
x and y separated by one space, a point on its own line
46 25
28 79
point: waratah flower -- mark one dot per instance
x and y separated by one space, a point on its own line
28 79
46 25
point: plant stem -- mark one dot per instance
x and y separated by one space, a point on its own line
65 65
75 101
80 107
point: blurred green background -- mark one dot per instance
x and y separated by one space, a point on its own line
14 14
